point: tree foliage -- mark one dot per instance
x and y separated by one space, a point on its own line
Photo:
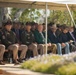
27 15
61 17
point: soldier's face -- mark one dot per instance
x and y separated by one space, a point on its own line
8 27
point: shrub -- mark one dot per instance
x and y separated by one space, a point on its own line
69 69
28 64
51 64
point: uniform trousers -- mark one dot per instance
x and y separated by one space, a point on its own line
2 50
15 48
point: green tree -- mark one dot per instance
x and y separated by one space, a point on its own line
27 14
61 17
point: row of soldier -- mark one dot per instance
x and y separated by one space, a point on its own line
18 37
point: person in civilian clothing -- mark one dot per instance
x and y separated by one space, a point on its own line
58 31
49 27
75 31
53 37
71 34
17 31
72 38
22 26
64 41
40 39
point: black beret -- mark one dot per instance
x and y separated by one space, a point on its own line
7 23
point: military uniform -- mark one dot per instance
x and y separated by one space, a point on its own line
28 39
8 38
2 50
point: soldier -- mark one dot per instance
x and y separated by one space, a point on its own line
2 50
8 38
27 38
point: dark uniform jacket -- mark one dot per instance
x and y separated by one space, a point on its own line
27 38
7 37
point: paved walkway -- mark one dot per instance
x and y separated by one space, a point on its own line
11 69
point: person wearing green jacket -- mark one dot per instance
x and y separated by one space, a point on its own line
40 39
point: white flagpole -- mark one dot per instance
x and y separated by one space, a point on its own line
46 25
70 14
